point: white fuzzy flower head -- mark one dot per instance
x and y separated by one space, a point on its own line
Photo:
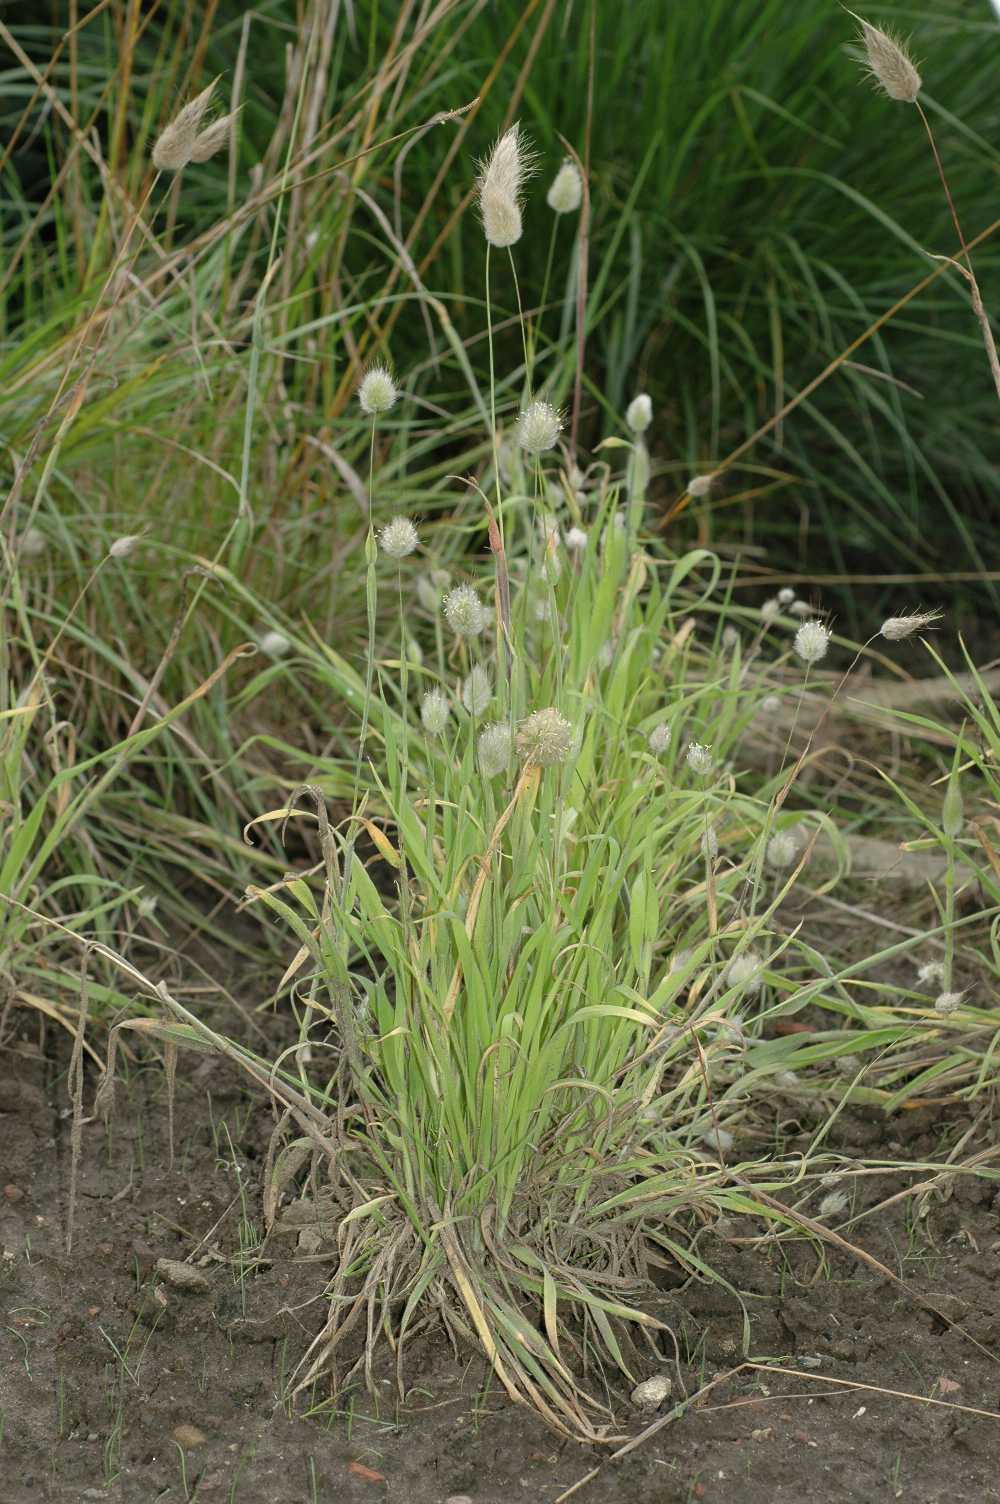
274 644
185 139
948 1002
730 639
576 540
710 844
719 1139
800 608
833 1204
566 193
811 641
122 547
745 971
398 538
33 543
659 738
430 586
699 758
895 628
781 849
494 749
377 392
545 738
477 692
770 610
434 712
500 184
465 612
770 704
888 63
786 595
538 427
931 971
700 485
639 413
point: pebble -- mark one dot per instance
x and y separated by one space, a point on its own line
189 1436
182 1276
651 1393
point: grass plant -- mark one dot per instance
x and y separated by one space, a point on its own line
558 788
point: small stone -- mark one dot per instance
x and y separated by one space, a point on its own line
12 1193
189 1436
651 1393
182 1276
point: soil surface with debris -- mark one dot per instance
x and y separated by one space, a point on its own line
125 1379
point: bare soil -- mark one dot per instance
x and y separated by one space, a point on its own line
116 1384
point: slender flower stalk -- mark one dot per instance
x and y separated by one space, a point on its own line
889 64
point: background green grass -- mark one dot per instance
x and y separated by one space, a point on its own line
755 206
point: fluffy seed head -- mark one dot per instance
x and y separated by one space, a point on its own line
811 641
745 971
377 392
710 844
897 627
538 427
786 595
833 1204
700 485
888 63
500 184
771 704
699 758
430 586
494 748
781 849
659 738
274 644
730 638
477 692
566 192
33 543
931 971
576 540
545 738
398 538
770 610
719 1139
122 547
639 413
465 611
800 608
184 140
948 1002
434 712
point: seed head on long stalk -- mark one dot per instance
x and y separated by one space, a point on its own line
500 186
186 139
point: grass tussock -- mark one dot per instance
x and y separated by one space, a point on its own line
406 530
